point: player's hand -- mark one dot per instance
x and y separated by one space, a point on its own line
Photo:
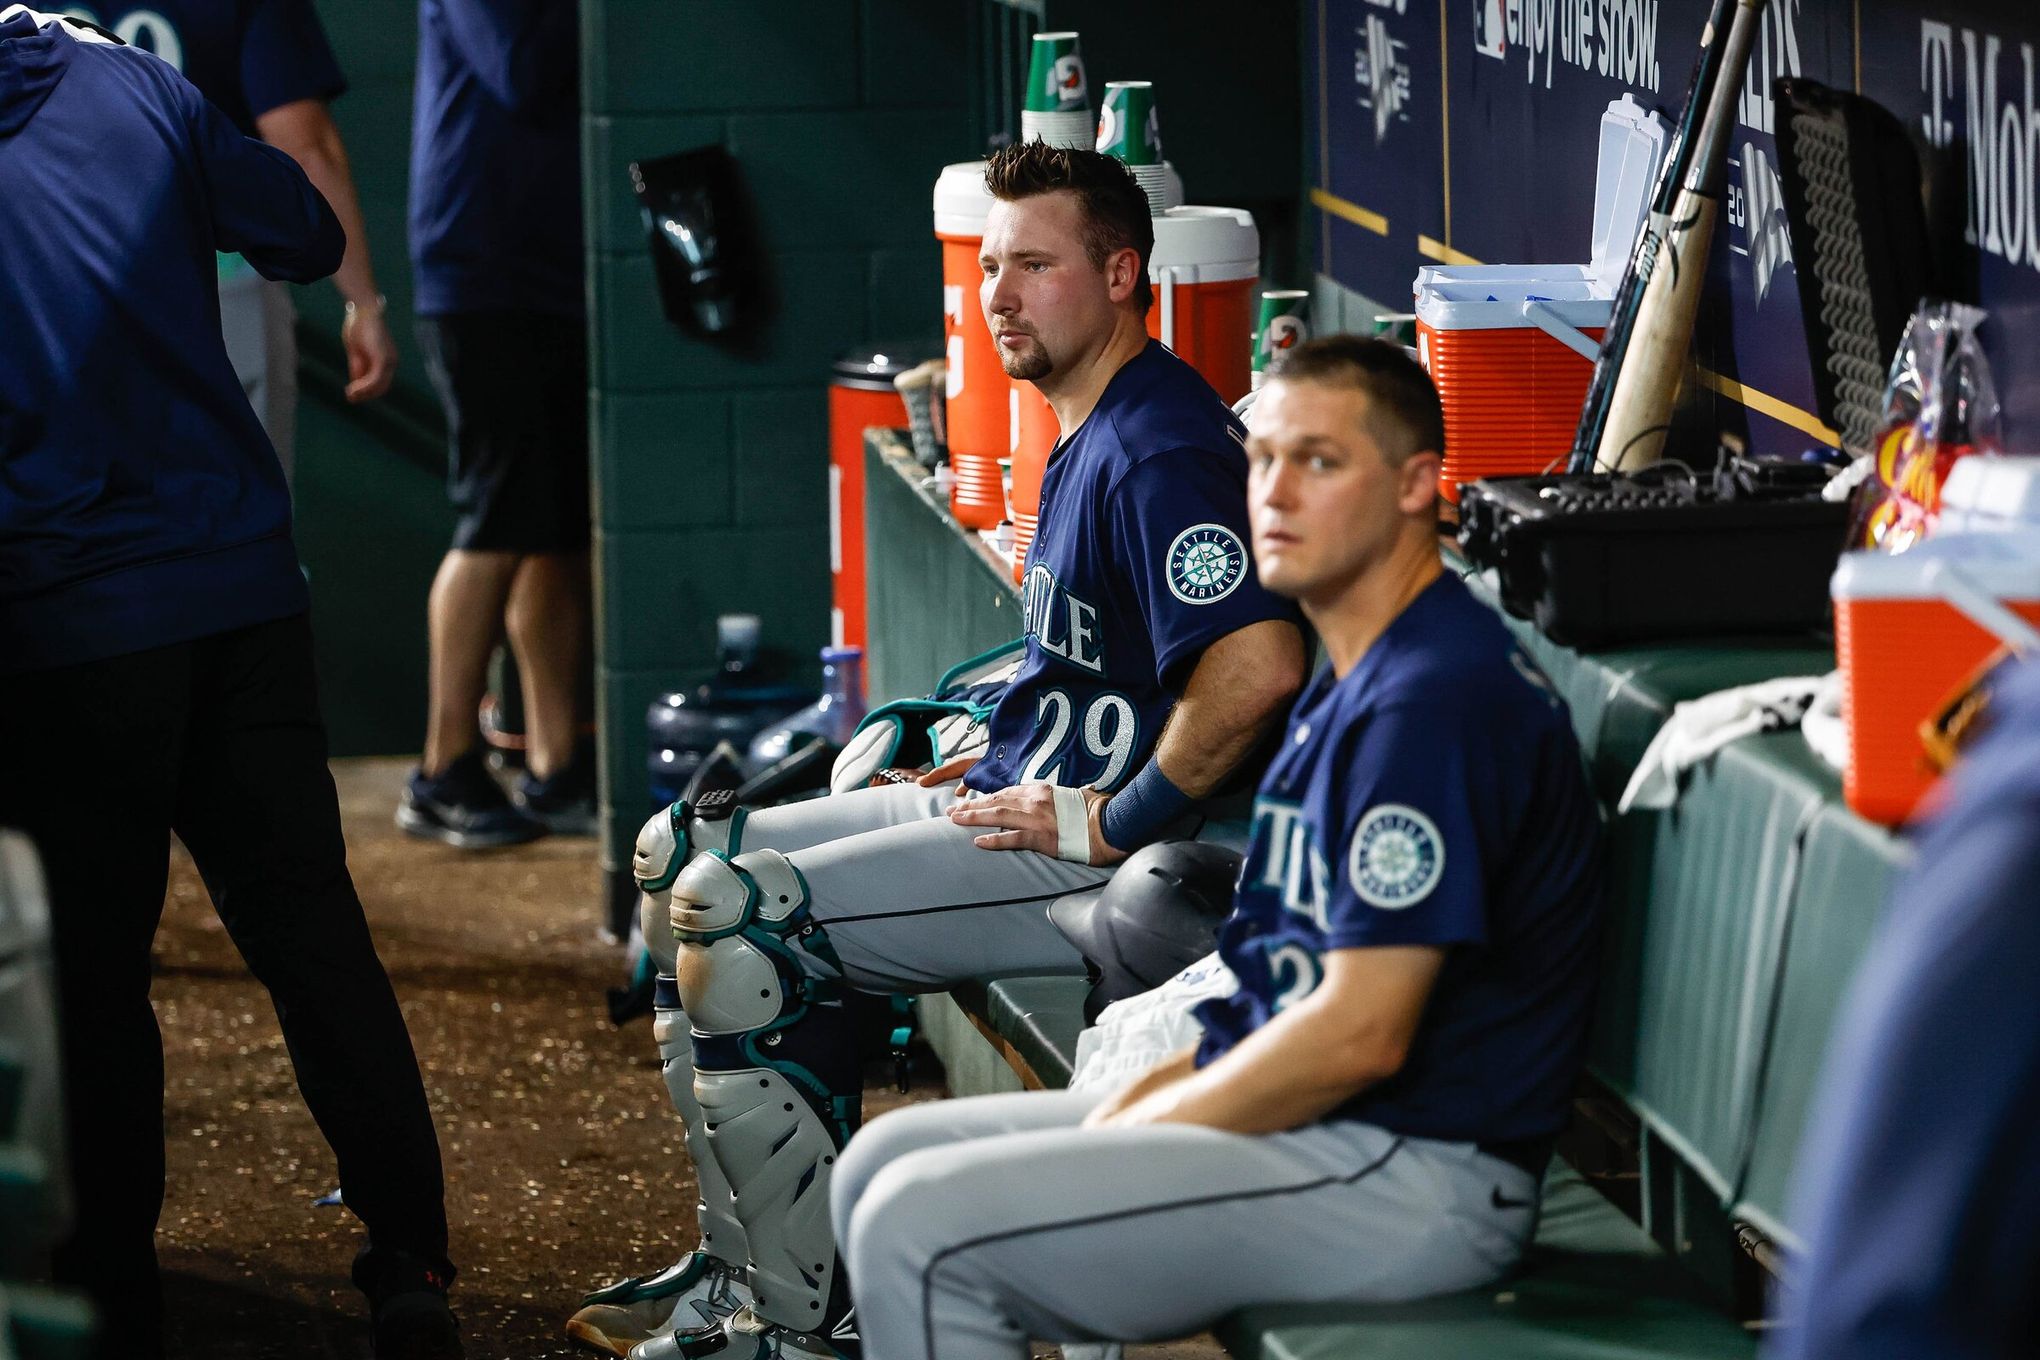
946 771
371 352
1023 818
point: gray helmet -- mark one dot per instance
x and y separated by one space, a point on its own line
1157 915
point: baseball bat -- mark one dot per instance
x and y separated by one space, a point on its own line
1640 407
1672 170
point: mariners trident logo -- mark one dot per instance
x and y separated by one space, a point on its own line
1206 562
1397 857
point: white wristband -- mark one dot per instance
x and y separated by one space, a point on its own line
1072 825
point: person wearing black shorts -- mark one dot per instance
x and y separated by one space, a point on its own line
496 247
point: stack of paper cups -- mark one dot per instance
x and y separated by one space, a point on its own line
1057 109
1129 131
1284 323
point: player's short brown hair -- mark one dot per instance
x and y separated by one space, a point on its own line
1406 415
1115 206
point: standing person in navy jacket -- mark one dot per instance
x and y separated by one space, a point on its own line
156 661
496 246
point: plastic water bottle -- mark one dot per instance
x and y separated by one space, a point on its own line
833 717
686 725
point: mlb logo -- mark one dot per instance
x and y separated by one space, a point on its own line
1490 32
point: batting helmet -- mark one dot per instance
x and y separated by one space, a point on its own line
1155 917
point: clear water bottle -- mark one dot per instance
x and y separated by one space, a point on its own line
833 717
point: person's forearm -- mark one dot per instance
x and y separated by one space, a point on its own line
322 155
1241 688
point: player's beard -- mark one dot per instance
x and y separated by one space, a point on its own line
1027 365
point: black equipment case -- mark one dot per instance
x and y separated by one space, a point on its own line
1596 560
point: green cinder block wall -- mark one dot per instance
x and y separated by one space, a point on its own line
711 491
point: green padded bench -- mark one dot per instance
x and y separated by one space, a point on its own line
1595 1287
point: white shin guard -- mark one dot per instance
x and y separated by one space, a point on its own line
722 1234
776 1072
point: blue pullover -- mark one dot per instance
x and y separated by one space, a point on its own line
496 158
140 503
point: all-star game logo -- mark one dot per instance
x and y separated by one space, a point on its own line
1206 562
1397 857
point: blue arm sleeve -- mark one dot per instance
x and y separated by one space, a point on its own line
262 205
285 57
524 52
1411 865
1181 521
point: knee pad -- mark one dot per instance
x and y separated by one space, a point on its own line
665 843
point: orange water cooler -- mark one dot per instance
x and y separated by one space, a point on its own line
1911 632
1511 348
1204 269
861 394
979 407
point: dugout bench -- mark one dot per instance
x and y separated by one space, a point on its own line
1737 918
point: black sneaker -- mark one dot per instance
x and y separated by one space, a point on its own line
564 802
407 1304
463 807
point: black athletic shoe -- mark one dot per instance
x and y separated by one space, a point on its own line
407 1304
463 807
565 802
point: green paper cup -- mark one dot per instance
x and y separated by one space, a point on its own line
1055 76
1127 128
1284 323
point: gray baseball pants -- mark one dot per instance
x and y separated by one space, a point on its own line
970 1226
907 902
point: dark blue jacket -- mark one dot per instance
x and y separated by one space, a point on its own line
496 158
140 502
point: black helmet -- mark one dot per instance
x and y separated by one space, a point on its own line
1157 915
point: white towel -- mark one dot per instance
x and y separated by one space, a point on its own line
1700 727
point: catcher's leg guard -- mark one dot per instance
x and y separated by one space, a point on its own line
775 1071
665 843
722 1235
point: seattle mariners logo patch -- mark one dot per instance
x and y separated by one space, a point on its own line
1397 857
1206 562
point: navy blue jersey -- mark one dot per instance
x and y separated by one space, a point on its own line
1140 563
1434 796
1917 1190
246 56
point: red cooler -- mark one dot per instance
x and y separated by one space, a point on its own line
861 394
980 416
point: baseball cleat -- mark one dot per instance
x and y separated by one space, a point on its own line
695 1292
746 1336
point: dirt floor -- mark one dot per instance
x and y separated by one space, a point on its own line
564 1162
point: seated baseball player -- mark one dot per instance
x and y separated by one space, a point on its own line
1414 931
1155 666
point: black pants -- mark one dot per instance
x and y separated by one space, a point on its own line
221 741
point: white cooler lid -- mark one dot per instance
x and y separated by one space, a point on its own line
2006 565
961 200
1632 144
1991 491
1225 238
